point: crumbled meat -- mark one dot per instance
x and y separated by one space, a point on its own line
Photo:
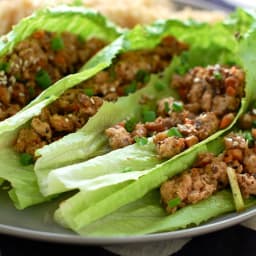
195 184
73 109
19 82
169 146
118 137
67 114
209 174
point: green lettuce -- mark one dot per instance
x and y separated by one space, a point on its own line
146 216
135 190
80 21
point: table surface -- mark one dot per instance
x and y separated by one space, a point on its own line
234 241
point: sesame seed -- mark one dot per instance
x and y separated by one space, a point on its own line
92 101
21 94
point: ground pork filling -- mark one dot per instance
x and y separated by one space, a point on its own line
72 110
209 100
36 63
209 173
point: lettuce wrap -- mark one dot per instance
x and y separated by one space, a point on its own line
79 21
81 212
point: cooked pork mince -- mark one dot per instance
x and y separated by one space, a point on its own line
36 63
209 100
209 174
72 110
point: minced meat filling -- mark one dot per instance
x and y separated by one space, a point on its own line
209 174
36 63
210 97
73 109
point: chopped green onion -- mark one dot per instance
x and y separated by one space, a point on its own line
254 123
217 75
31 92
181 70
174 202
112 73
237 196
80 38
177 106
131 88
43 79
57 43
26 159
149 116
130 124
141 141
248 136
89 92
159 86
166 107
4 66
142 76
174 132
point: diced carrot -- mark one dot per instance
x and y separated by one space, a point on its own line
231 91
236 154
226 120
39 34
254 133
59 59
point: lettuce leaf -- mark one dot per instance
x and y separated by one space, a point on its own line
139 188
83 22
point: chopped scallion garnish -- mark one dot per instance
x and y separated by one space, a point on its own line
159 86
237 196
43 79
174 132
174 202
4 66
149 116
31 92
177 106
130 88
166 107
254 123
26 159
141 141
89 92
57 43
142 76
248 136
130 124
217 75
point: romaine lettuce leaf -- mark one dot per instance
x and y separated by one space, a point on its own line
139 188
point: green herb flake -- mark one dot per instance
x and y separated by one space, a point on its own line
248 136
166 107
217 75
254 123
89 92
57 43
141 141
4 66
130 124
174 202
159 86
31 92
174 132
43 79
148 116
130 88
177 106
26 159
142 76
